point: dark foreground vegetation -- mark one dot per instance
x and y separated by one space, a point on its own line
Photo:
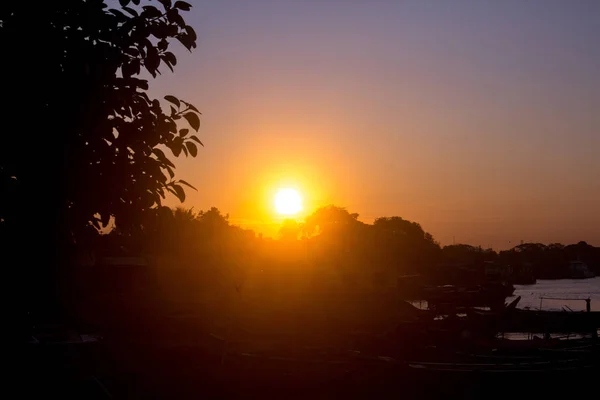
194 306
179 304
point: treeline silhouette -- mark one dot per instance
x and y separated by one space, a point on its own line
330 239
546 261
198 263
332 245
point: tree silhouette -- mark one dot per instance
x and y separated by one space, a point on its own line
404 241
96 146
84 141
213 218
466 254
183 216
290 230
330 219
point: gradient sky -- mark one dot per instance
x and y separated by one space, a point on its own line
478 119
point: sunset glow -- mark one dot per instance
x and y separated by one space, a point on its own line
284 106
288 202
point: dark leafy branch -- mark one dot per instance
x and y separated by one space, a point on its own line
110 138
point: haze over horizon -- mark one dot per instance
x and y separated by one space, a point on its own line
479 120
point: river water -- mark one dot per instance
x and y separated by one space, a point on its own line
563 288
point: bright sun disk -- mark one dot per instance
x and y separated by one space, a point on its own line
288 202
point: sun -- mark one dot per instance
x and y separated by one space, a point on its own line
288 201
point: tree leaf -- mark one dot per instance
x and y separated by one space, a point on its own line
192 148
151 12
124 3
179 192
174 17
120 16
131 11
162 178
162 44
166 3
159 30
195 138
132 51
183 132
191 32
136 2
187 184
176 148
160 155
172 30
191 107
186 41
131 68
126 70
171 125
173 99
135 66
171 57
182 5
193 119
173 111
170 171
152 59
168 64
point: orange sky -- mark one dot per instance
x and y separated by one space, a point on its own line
481 122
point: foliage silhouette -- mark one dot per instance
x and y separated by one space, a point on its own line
551 261
84 142
330 219
290 230
336 256
98 148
